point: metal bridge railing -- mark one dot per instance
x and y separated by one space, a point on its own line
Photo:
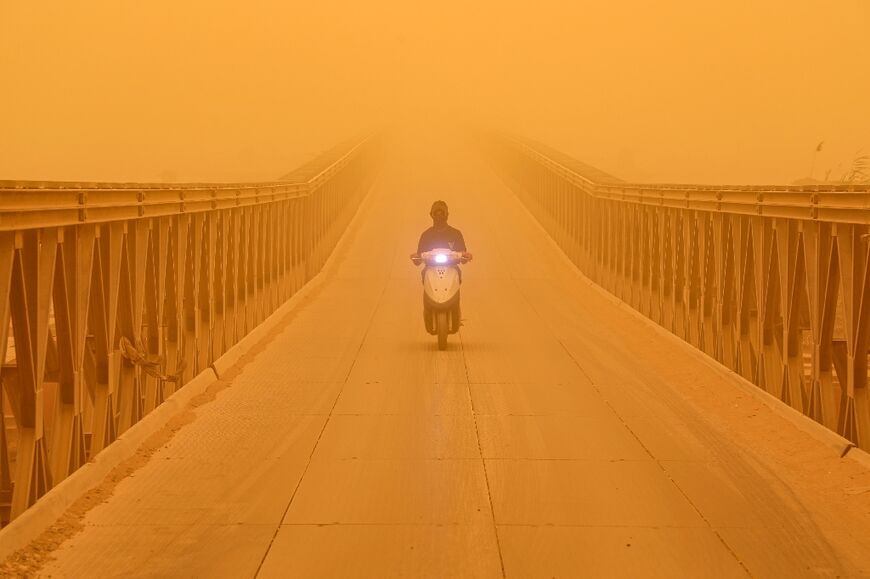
112 296
773 282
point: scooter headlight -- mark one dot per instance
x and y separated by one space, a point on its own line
440 258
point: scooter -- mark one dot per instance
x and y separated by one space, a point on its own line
441 281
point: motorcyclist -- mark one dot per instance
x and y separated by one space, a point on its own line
440 236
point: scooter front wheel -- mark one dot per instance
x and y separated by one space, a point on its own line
441 327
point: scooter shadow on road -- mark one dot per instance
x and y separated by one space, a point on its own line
456 344
425 343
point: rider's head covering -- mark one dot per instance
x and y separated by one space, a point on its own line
438 206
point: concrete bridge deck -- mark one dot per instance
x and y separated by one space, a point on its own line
561 435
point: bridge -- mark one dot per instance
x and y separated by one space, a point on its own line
234 380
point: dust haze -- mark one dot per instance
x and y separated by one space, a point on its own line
660 91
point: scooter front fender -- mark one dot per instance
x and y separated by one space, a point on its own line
441 286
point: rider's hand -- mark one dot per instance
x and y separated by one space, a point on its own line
466 256
415 257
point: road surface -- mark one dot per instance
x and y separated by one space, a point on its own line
559 436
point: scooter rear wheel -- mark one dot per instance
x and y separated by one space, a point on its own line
441 327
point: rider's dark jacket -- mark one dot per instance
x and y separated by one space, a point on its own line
444 237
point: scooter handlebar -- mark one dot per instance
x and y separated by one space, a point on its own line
441 257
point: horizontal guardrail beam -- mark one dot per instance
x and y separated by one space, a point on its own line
844 203
33 204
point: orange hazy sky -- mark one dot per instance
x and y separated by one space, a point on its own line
734 91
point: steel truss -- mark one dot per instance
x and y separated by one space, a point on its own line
773 282
113 296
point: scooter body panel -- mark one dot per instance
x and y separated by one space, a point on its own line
441 282
441 286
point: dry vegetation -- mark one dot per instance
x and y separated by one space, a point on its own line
857 173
